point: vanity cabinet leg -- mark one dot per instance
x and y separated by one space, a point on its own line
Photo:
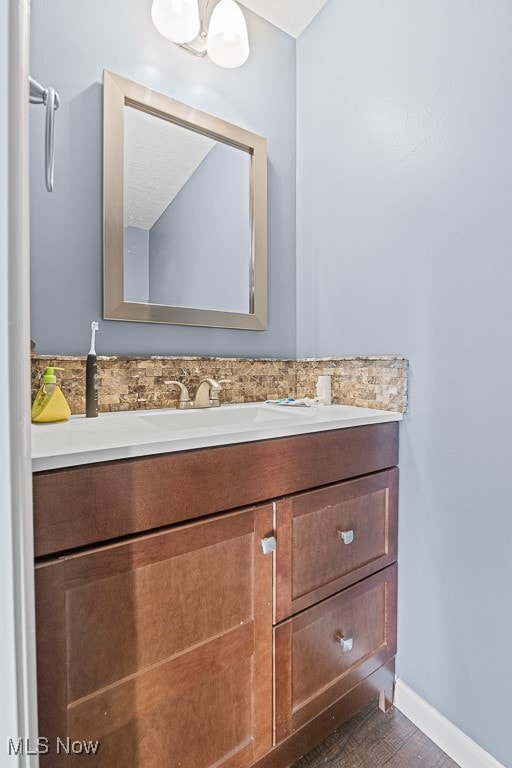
386 697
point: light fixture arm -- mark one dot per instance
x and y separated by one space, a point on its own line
197 47
206 15
188 47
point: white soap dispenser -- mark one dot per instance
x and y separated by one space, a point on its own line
323 390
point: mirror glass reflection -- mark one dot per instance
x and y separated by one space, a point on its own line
187 223
184 213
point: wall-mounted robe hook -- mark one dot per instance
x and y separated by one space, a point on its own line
50 98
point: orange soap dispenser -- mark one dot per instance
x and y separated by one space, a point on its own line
50 404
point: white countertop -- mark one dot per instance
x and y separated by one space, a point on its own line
130 434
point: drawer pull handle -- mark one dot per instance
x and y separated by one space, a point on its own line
347 536
268 545
347 643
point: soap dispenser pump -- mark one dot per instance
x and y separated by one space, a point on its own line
50 404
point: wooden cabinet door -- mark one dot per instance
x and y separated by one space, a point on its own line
160 648
333 536
326 651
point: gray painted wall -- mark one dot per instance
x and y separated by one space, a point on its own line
136 264
200 247
71 44
404 237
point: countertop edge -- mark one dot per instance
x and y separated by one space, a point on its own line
132 451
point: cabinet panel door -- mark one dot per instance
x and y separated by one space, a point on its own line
160 648
331 537
326 651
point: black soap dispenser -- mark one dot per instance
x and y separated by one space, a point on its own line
91 377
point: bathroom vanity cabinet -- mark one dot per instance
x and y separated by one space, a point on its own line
223 607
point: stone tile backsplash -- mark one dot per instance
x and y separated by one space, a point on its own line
131 383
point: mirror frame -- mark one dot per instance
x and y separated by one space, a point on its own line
119 92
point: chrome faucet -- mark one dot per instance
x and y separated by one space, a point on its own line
207 394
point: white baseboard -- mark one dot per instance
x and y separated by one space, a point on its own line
462 750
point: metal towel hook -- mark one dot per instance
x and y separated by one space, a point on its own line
50 98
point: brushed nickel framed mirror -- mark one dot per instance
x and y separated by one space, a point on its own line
184 213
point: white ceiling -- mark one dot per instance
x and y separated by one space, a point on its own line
292 16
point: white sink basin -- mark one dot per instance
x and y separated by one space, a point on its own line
246 416
114 436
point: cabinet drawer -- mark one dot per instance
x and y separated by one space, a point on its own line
332 537
79 506
324 652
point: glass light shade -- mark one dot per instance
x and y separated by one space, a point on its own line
228 40
176 20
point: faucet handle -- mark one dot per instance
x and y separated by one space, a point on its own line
184 399
215 390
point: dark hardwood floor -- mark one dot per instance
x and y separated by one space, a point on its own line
374 739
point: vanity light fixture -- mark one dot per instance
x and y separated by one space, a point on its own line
194 26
